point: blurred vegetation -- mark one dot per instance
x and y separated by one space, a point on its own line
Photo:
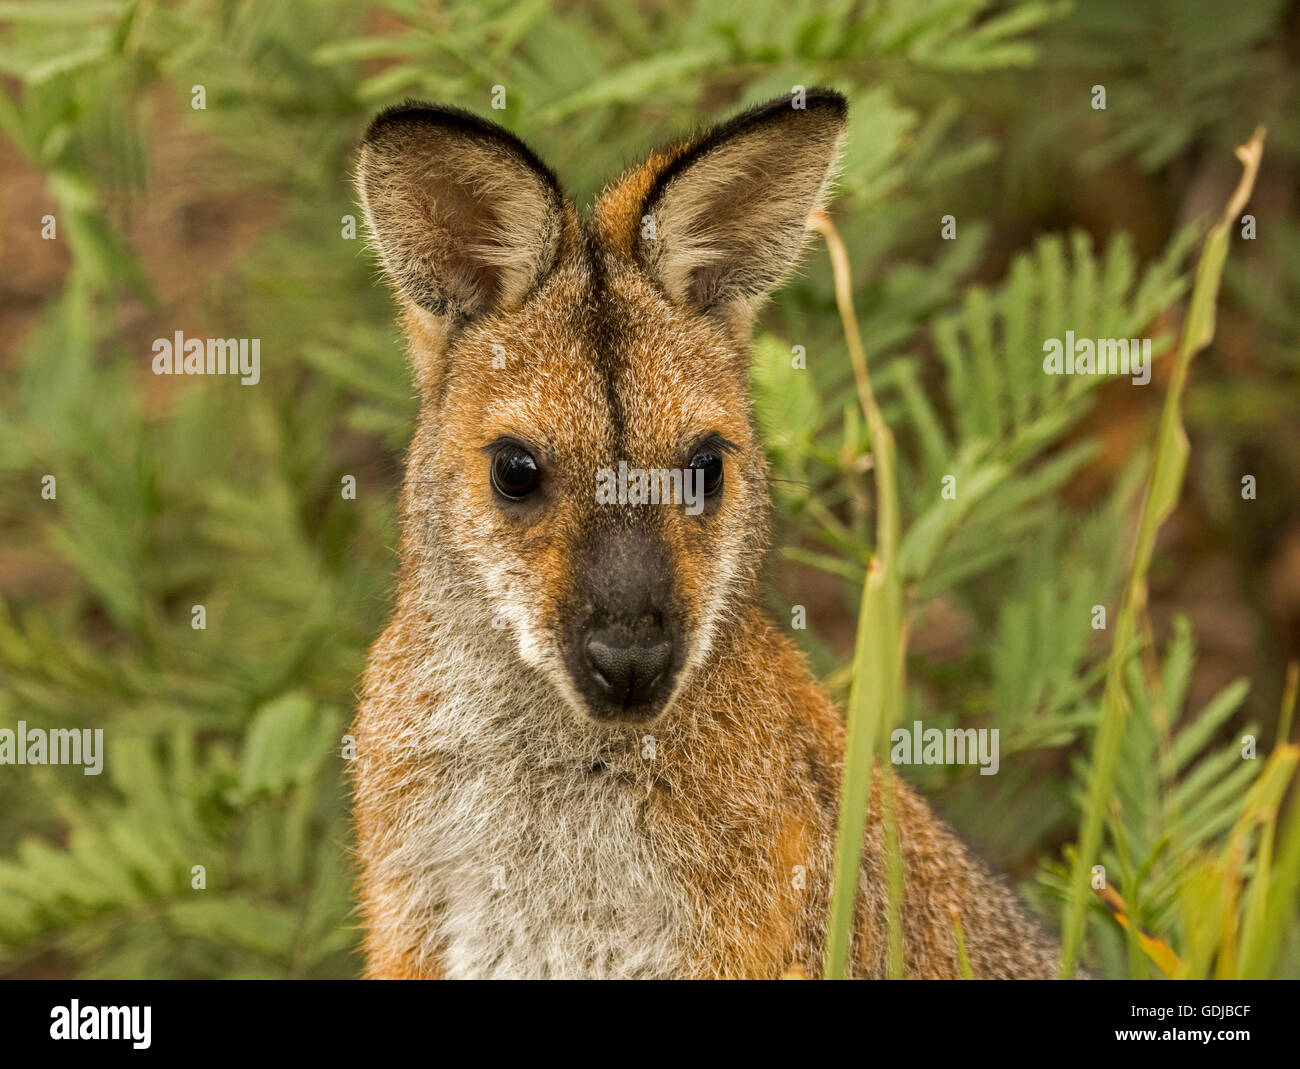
231 221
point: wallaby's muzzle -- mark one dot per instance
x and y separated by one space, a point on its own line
630 667
625 654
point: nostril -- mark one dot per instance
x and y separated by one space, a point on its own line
627 672
608 666
604 664
655 660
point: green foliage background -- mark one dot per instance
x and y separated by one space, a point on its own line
224 743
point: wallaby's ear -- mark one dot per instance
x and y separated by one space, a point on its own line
465 217
724 222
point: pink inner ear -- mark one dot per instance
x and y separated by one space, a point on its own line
462 230
464 215
452 237
734 220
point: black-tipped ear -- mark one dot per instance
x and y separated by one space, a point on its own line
729 213
465 217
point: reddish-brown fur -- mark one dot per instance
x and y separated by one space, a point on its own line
714 853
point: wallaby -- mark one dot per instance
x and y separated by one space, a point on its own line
583 747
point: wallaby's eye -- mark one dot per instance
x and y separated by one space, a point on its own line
710 462
515 473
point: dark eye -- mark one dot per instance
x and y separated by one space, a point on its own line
514 472
710 463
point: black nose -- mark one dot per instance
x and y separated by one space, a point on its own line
629 665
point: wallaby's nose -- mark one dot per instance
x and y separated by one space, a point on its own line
629 664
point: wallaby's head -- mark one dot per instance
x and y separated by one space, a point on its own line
585 451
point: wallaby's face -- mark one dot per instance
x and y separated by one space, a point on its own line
585 453
617 601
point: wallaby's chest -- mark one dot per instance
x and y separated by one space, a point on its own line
540 856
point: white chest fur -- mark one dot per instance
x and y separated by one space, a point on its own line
528 848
